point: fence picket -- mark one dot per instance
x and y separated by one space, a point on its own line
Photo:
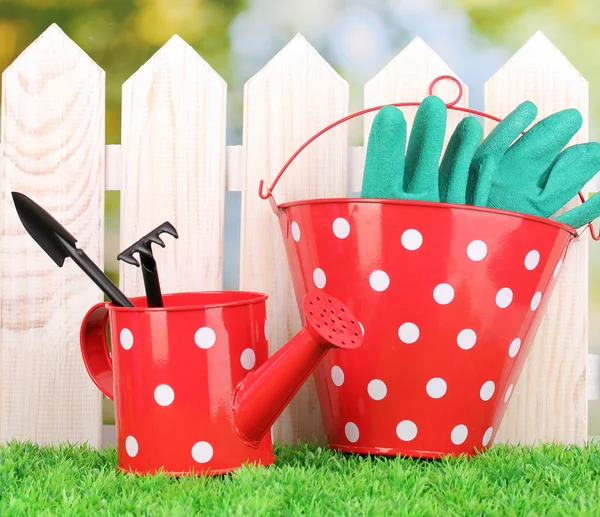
295 95
173 152
53 151
173 165
549 402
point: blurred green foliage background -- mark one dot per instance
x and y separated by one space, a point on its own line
357 37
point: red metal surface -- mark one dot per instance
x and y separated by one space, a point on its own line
194 390
449 296
263 394
450 105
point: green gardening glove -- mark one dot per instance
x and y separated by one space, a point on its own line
582 214
496 144
390 172
535 175
454 169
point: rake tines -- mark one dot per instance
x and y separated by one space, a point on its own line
143 246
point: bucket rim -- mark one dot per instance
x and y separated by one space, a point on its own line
243 298
433 204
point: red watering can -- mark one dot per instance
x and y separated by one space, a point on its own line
194 389
449 298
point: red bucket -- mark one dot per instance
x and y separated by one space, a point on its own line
449 297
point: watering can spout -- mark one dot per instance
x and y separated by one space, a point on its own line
263 394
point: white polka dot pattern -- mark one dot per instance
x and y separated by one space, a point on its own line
341 228
202 452
443 294
406 430
377 389
126 338
459 434
164 395
351 431
408 333
477 250
131 446
337 375
296 231
412 239
425 306
319 278
379 281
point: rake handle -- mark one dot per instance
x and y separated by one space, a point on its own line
151 281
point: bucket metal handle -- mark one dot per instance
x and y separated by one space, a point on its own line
450 105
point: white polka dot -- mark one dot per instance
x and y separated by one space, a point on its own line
126 338
361 328
504 297
436 388
351 430
248 358
377 389
466 339
408 333
379 280
557 268
337 375
514 347
412 239
341 228
202 452
477 250
487 390
164 395
535 301
319 278
131 446
508 393
406 430
443 294
459 434
295 231
205 337
487 436
532 259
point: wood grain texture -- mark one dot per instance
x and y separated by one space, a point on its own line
173 152
294 96
549 401
53 151
407 78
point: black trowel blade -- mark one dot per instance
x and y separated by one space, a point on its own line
43 228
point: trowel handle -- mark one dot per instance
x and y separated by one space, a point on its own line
94 348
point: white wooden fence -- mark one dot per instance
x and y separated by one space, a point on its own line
173 164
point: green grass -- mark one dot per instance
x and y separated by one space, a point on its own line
310 481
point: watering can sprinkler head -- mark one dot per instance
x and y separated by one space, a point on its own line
263 394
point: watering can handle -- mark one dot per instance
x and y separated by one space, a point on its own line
94 348
450 105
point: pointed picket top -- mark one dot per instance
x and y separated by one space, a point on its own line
540 51
174 52
556 364
537 71
53 148
173 147
297 48
406 78
50 46
294 96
